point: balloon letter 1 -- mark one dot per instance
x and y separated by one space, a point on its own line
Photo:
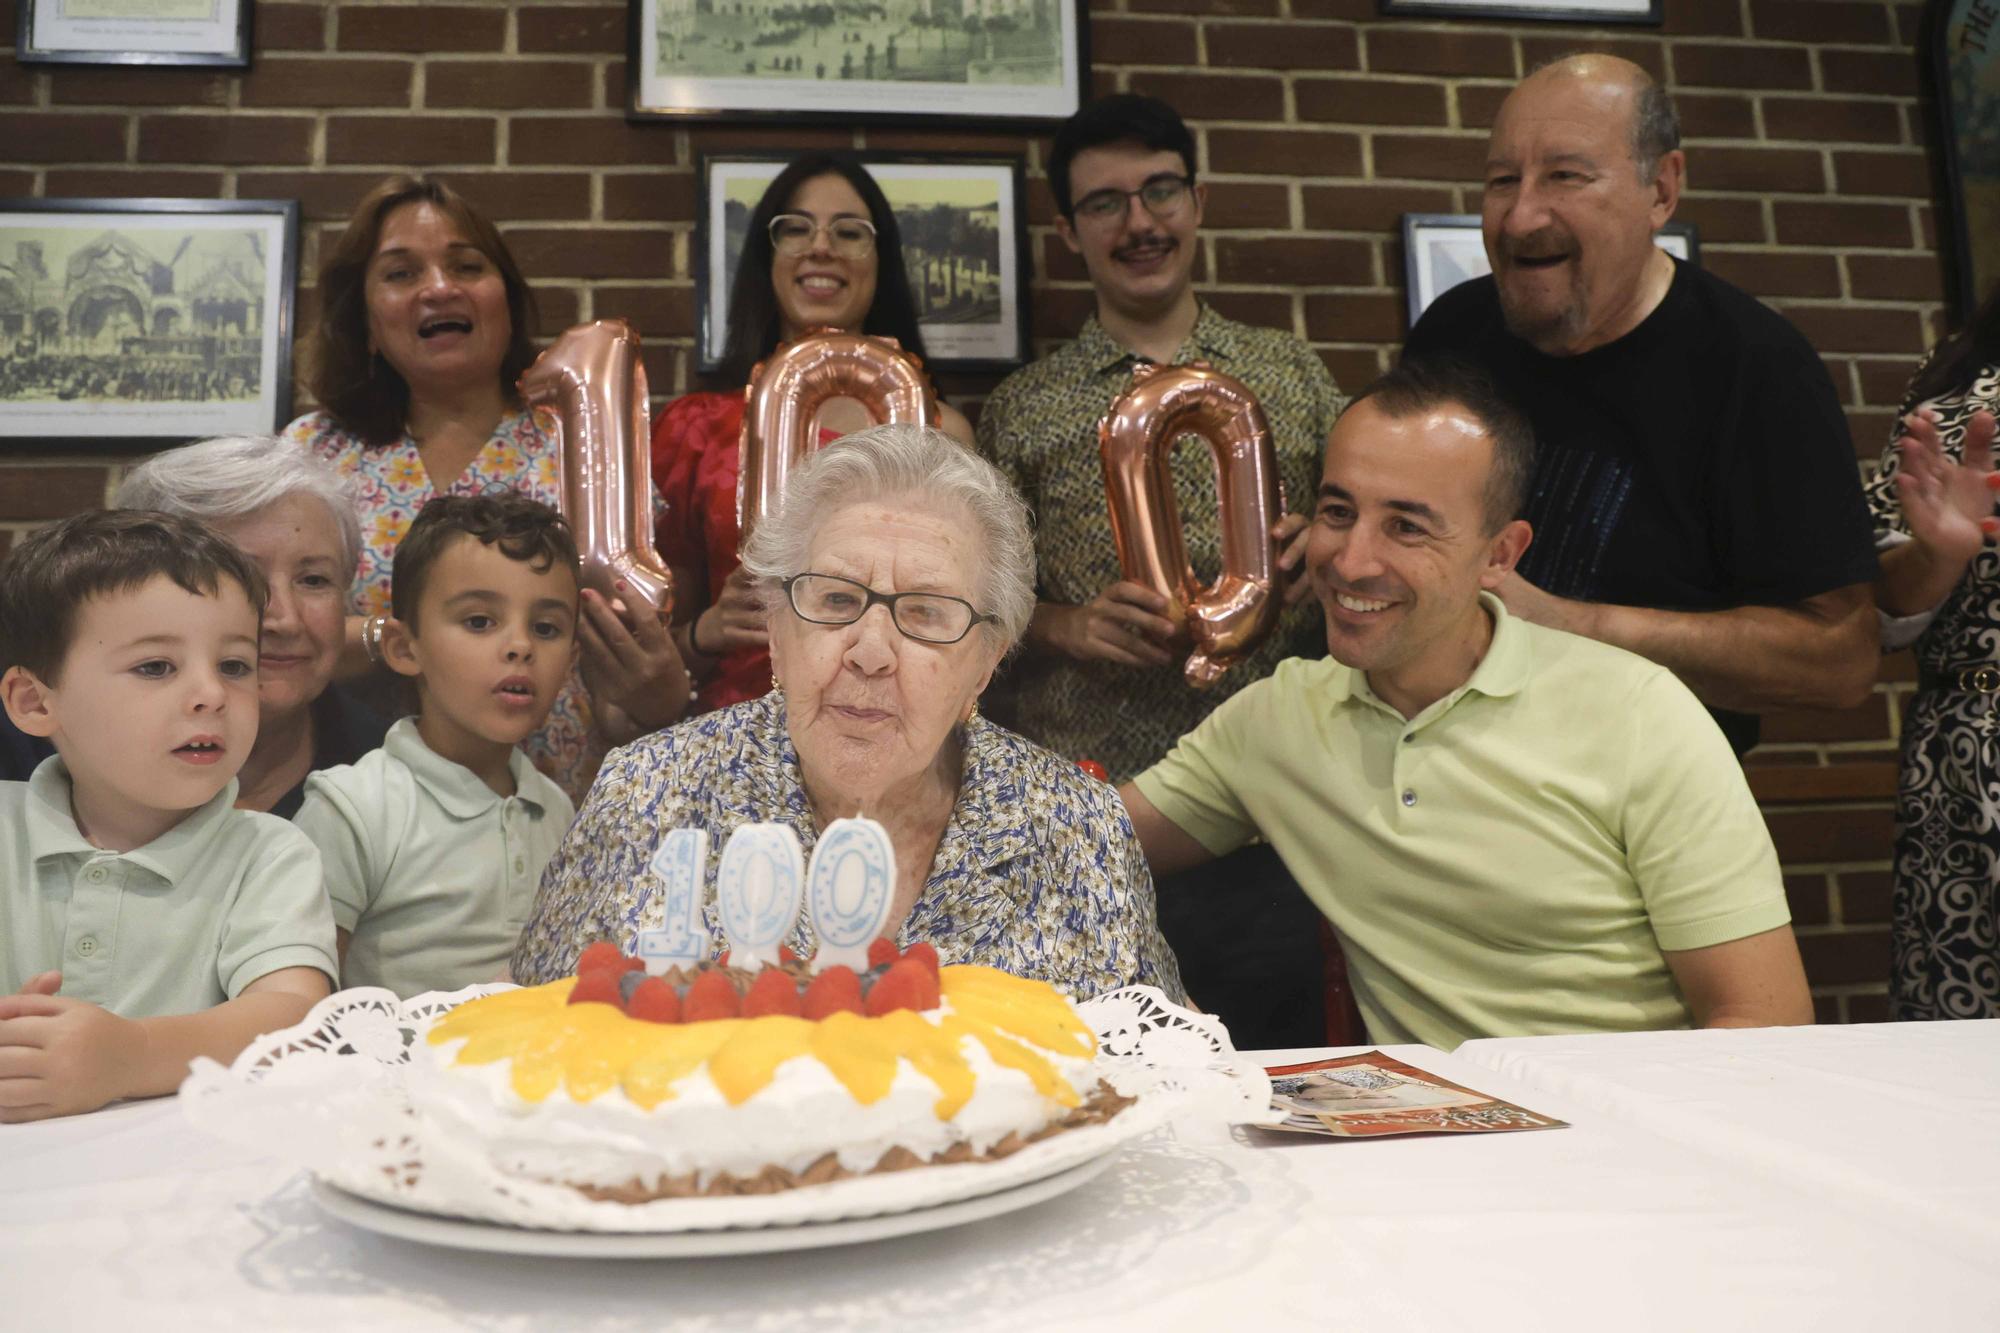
788 389
1136 438
591 376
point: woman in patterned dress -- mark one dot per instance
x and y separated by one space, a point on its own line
896 575
822 250
1933 503
423 331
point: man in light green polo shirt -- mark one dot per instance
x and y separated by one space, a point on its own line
1514 830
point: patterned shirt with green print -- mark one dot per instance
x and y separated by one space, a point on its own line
1040 428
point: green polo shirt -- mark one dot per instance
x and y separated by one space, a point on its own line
1511 861
174 927
430 870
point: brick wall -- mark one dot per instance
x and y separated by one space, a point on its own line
1320 124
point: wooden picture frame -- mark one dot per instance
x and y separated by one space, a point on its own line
145 323
968 264
135 32
1019 61
1649 12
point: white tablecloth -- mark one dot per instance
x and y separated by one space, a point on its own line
1901 1116
130 1219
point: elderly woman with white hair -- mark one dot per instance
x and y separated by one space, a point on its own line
294 516
897 573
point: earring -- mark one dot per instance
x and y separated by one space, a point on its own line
972 713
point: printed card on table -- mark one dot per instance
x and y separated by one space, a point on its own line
1372 1096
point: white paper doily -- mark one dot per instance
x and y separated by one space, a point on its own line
328 1094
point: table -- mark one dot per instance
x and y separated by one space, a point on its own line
1904 1117
1630 1220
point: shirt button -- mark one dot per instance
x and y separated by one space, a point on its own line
96 875
1409 796
86 947
520 866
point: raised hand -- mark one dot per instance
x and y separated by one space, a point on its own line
630 662
1948 505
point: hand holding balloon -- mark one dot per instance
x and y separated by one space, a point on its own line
629 661
1126 623
1228 618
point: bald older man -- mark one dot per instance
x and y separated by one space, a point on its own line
1695 498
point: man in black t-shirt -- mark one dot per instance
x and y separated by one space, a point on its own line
1695 497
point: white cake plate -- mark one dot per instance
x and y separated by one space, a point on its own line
497 1238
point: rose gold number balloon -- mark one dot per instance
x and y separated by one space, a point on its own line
591 376
790 386
1230 617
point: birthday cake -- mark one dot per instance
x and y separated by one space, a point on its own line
718 1080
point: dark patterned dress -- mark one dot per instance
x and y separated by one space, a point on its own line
1947 909
1038 872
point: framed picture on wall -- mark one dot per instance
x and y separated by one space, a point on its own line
1962 40
145 322
135 32
876 60
965 245
1557 11
1441 250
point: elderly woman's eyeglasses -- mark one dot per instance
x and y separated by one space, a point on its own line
928 617
849 238
1163 196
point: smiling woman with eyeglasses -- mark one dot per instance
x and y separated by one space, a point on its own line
821 250
897 573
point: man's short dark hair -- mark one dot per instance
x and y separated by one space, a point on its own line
1119 118
524 529
1425 384
47 577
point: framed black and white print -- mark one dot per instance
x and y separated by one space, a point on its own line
965 244
145 322
1441 250
873 60
1556 11
135 32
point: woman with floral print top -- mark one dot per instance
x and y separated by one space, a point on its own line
896 575
1933 503
423 332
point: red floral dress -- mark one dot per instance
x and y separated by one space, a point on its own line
696 458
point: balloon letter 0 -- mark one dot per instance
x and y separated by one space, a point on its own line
592 377
1136 438
790 386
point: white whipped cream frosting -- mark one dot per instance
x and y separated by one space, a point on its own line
800 1116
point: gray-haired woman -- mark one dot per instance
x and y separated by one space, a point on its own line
294 516
897 573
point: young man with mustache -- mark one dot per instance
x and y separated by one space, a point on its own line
1515 830
1099 679
1695 497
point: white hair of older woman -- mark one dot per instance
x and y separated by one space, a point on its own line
916 466
234 476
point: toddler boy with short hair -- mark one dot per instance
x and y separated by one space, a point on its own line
143 919
435 844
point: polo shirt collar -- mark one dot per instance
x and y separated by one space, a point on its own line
462 793
1503 671
173 856
1212 339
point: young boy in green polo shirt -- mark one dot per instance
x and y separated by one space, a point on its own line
435 844
143 919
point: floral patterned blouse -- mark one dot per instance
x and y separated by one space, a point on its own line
1038 872
393 485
